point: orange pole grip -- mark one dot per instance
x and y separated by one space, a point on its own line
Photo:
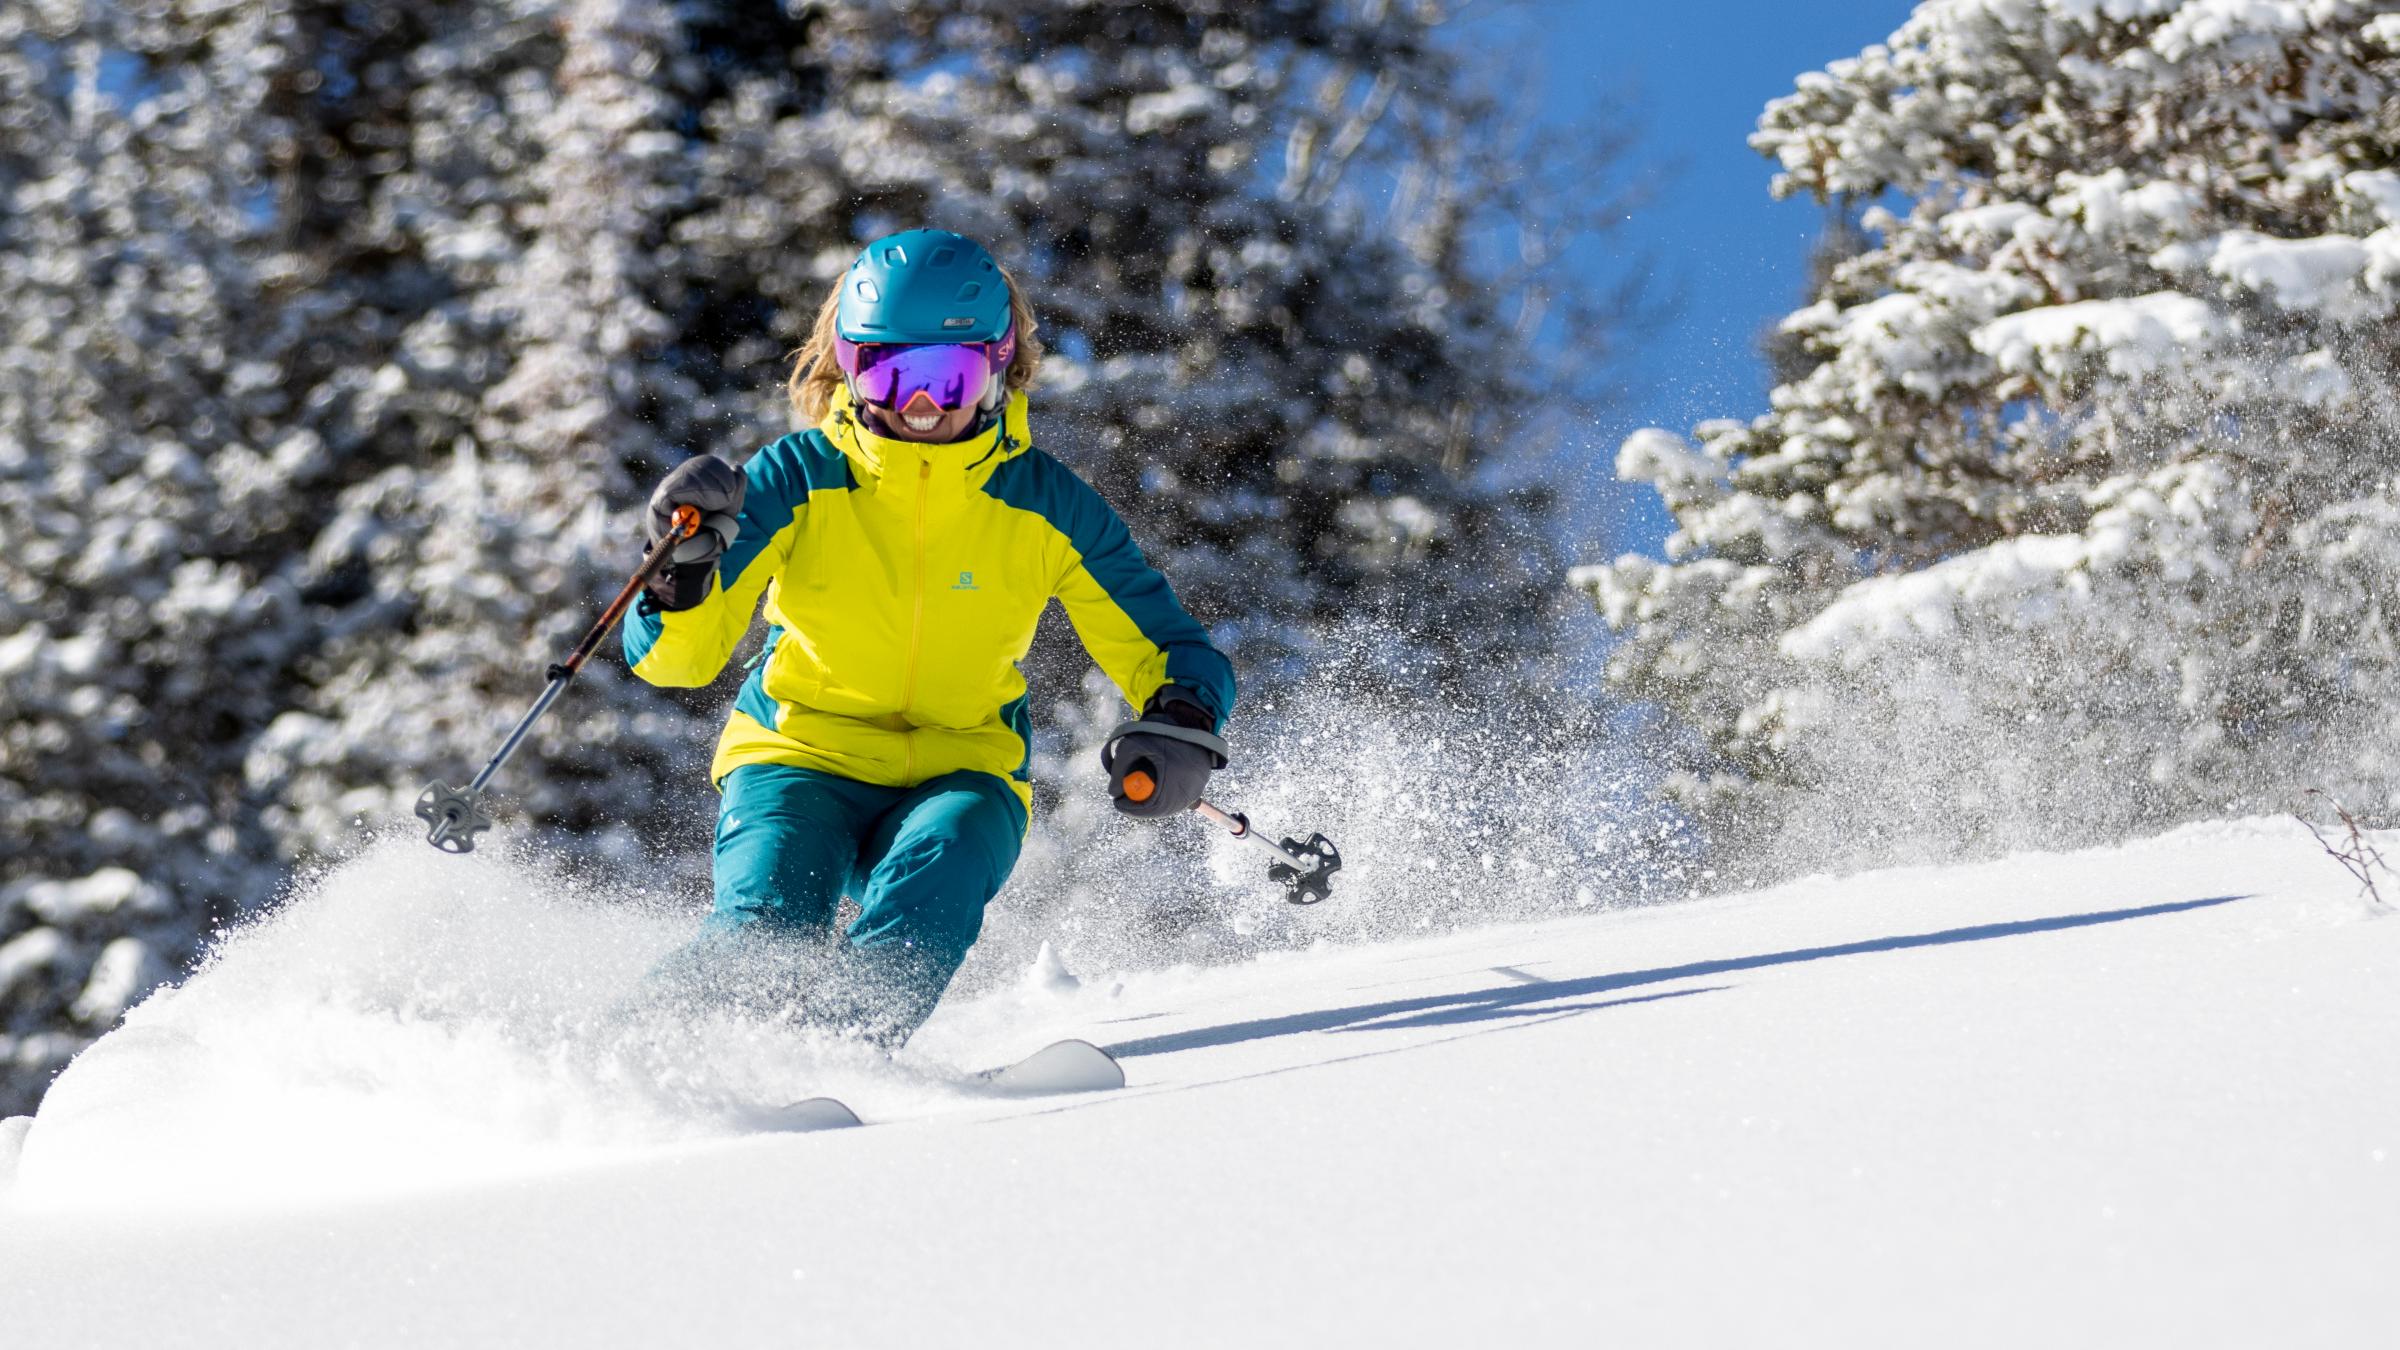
1140 787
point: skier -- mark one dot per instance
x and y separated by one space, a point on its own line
905 546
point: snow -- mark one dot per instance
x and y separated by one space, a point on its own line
2109 203
1146 113
2378 189
27 955
2318 274
1666 458
2140 1095
2033 569
2134 335
2201 25
125 970
99 895
2158 525
1982 224
12 1145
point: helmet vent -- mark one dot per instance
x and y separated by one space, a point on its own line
970 290
868 291
944 256
896 256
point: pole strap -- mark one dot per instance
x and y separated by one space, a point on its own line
1165 731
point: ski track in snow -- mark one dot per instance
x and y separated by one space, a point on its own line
2137 1096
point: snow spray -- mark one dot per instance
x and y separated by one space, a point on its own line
400 1022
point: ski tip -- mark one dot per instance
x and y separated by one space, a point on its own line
816 1113
1061 1066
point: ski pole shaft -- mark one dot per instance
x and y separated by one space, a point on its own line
1238 825
1141 787
685 524
457 816
559 676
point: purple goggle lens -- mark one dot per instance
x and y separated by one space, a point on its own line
952 374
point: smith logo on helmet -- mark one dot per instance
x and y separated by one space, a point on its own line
962 321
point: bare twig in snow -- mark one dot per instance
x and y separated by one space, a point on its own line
2358 857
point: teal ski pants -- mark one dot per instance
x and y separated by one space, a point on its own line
921 862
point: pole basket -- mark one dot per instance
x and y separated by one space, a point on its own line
1314 883
454 817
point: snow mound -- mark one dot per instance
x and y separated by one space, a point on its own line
411 1020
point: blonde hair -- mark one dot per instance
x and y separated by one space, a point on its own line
815 374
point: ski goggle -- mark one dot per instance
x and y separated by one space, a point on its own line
952 374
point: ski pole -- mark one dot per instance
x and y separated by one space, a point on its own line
457 815
1304 870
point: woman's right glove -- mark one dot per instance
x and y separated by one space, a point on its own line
716 489
1160 765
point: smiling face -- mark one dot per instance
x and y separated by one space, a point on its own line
925 421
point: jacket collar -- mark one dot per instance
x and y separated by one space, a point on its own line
900 465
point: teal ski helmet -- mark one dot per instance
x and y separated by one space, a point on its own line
923 286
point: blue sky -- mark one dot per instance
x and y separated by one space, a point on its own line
1697 74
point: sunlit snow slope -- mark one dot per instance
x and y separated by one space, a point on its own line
2144 1096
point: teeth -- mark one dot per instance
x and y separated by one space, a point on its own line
921 423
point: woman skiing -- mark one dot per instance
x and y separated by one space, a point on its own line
905 547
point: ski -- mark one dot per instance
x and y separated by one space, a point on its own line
817 1113
1059 1067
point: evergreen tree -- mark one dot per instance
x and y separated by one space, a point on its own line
158 446
2073 514
545 373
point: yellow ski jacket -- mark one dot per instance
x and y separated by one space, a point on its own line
902 584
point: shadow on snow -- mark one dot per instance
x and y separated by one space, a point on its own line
1519 998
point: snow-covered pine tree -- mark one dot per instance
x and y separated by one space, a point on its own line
2081 516
159 345
546 366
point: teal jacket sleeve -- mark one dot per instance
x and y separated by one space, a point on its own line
1138 633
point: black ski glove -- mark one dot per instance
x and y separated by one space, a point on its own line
1171 749
716 488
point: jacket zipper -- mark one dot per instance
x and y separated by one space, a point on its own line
916 625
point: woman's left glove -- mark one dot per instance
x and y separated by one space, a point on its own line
1160 765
